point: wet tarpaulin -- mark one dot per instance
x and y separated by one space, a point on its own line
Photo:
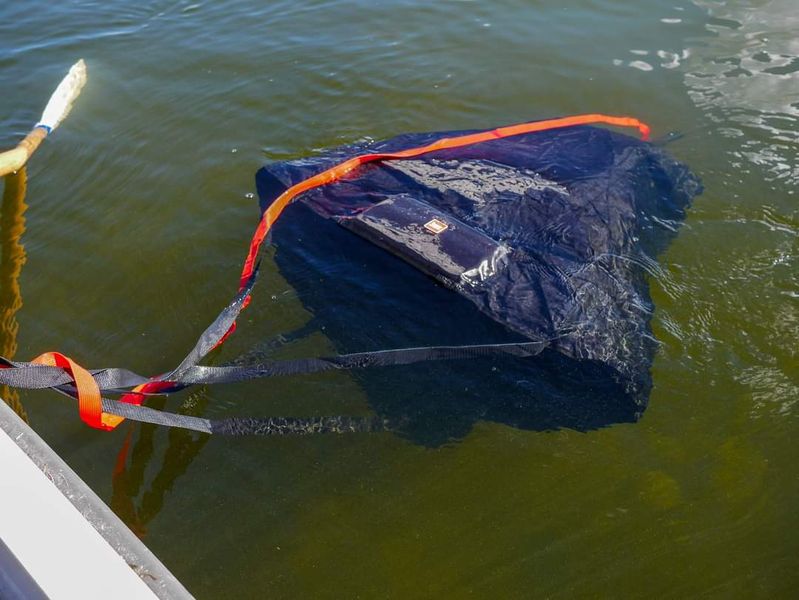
545 236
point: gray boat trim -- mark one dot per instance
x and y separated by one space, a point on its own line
130 548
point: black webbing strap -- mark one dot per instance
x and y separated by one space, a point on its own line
32 376
38 377
111 380
239 426
216 332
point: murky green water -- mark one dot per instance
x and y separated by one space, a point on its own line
138 217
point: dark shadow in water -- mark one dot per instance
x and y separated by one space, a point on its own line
365 299
12 259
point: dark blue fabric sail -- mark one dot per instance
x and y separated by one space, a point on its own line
546 234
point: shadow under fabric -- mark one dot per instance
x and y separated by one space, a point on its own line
542 236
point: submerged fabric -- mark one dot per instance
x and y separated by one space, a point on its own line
548 234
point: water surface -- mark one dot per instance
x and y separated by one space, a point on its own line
137 214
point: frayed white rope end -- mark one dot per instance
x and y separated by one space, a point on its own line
64 96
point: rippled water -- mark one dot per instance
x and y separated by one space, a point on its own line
137 215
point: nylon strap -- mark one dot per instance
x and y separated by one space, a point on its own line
88 392
41 374
53 370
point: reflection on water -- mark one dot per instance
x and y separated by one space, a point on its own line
743 71
746 76
12 258
135 500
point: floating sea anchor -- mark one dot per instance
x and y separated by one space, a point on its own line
544 227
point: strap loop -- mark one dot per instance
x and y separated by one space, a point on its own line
90 405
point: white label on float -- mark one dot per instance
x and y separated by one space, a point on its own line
436 226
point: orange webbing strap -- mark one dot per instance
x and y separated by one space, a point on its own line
337 172
90 404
